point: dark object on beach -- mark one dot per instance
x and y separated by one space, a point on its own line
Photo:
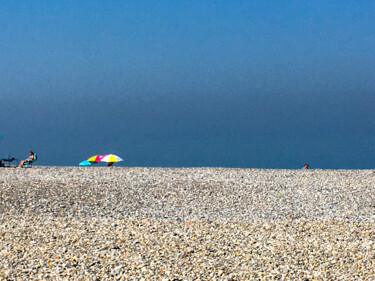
305 167
110 164
9 160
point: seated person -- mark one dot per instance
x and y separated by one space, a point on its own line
110 164
29 159
305 167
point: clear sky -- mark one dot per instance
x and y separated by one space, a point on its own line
268 84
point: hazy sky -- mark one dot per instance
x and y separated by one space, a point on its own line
270 84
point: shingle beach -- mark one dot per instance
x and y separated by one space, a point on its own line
117 223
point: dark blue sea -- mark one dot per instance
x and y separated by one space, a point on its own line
242 130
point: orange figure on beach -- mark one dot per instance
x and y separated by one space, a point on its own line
305 167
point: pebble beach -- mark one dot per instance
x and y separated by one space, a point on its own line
120 223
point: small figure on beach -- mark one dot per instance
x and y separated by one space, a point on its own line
29 159
305 167
110 164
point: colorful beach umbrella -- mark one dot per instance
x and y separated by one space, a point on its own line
95 158
85 163
111 158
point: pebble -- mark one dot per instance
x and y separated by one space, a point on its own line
118 223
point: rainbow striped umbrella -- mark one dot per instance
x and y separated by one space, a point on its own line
111 158
95 158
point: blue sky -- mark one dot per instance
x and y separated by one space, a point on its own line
268 84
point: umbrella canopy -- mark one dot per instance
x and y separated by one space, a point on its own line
111 158
95 158
85 163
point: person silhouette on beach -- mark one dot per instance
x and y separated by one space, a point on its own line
305 167
30 158
110 164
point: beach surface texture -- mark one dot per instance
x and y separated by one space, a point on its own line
117 223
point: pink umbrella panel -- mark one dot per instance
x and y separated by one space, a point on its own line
95 158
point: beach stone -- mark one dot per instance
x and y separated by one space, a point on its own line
95 223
